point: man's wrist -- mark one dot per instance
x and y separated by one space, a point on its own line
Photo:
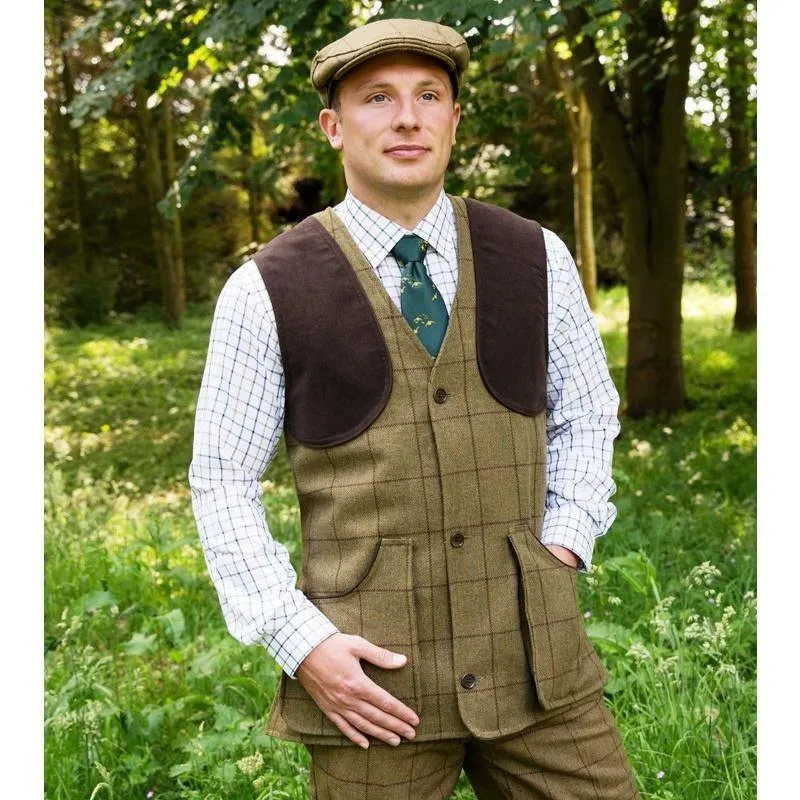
566 555
572 528
299 635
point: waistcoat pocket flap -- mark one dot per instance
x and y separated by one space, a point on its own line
381 609
556 641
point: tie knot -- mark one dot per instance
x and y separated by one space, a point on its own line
410 248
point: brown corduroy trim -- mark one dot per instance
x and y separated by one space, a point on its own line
511 305
336 364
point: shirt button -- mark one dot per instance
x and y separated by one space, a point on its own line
457 539
469 681
440 395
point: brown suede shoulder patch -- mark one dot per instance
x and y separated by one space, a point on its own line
511 299
337 367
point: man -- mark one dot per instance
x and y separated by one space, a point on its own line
449 420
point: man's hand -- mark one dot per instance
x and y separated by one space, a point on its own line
564 554
331 673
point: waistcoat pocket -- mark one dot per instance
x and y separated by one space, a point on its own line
556 642
381 609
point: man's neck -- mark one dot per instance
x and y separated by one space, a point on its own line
405 212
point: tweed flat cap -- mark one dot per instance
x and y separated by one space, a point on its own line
386 36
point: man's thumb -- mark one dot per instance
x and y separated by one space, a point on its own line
379 655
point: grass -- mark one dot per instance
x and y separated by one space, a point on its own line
146 692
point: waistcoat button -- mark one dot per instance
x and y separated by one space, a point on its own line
440 395
469 681
457 539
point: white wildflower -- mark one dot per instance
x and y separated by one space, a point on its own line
639 652
250 765
727 669
660 617
640 449
702 574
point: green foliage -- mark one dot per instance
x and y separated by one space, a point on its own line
235 76
146 691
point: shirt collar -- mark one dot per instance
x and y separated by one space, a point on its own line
376 235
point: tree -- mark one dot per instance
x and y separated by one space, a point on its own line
639 114
741 184
172 290
579 122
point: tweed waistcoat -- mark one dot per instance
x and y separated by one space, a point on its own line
422 502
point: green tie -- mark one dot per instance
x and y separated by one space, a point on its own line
420 301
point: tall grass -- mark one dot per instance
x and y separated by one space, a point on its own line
148 696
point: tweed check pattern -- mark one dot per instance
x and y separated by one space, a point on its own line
420 300
578 753
453 486
240 413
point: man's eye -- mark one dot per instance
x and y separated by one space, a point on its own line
375 96
431 95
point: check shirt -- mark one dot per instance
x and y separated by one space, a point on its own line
240 414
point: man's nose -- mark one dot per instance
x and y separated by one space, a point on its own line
406 113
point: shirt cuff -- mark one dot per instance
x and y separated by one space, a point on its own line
301 633
571 527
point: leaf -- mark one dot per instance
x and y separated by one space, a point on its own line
226 773
635 568
95 600
609 633
603 6
174 625
180 769
206 663
616 684
500 47
225 716
140 644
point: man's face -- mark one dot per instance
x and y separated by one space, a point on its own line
395 125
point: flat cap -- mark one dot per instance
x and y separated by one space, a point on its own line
386 36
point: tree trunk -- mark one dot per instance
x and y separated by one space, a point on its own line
73 160
582 201
253 193
645 150
155 191
579 124
742 194
654 232
177 230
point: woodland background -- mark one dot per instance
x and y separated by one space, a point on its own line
180 137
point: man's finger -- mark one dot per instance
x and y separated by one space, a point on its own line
379 656
384 720
382 700
363 724
347 729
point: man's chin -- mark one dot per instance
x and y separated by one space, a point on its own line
410 182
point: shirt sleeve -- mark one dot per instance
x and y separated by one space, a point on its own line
582 422
238 422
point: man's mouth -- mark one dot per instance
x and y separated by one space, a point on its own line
407 151
407 148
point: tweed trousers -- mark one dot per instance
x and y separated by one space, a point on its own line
575 755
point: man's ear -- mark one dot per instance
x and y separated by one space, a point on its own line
456 120
331 126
